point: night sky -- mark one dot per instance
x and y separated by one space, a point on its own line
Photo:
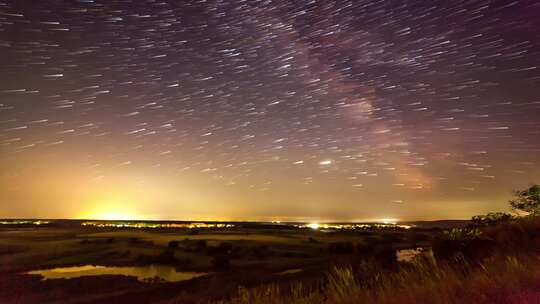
274 110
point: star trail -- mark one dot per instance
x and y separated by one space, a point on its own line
275 110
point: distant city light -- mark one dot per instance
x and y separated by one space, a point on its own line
380 224
145 225
389 220
24 222
313 226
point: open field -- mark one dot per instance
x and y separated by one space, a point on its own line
246 256
257 258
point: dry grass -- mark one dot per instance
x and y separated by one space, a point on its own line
499 280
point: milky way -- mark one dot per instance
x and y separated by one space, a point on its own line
268 109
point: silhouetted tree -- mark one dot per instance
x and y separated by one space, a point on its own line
527 200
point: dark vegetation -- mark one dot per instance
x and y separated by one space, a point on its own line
492 260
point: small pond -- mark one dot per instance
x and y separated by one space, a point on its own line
408 255
142 273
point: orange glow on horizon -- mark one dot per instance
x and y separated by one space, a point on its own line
114 213
111 207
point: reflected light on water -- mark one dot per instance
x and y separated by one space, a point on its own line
142 273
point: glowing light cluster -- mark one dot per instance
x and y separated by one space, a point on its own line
383 225
145 225
24 222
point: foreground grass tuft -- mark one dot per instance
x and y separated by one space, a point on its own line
501 280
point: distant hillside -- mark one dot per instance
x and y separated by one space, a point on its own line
439 223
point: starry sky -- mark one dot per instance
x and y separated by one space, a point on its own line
267 110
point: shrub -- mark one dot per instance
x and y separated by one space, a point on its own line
492 218
522 234
463 244
460 234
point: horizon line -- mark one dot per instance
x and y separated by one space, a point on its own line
382 220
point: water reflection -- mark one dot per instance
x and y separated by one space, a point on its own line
142 273
290 271
407 255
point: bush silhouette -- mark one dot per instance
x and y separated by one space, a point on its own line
491 218
471 247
